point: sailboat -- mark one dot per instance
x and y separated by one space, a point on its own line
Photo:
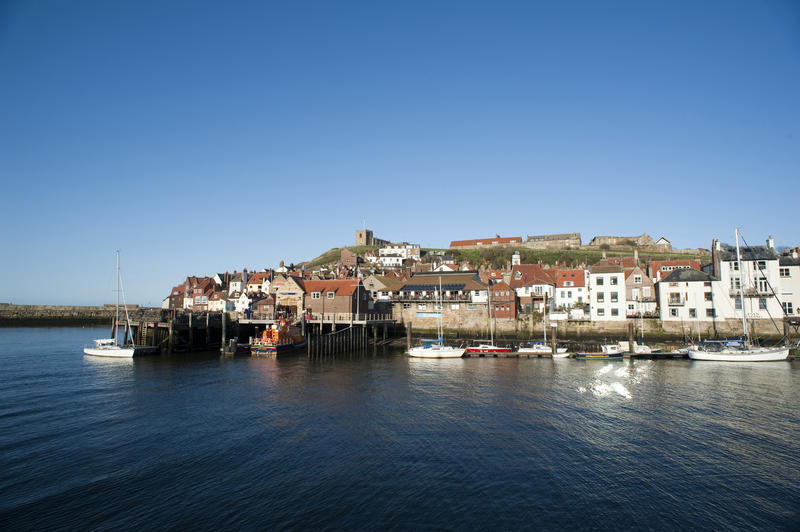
110 347
743 352
540 346
489 348
436 348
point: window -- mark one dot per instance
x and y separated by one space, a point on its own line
563 294
406 306
631 306
599 281
472 306
645 291
763 286
601 312
736 283
710 313
569 283
785 272
614 297
708 296
761 265
735 266
615 311
421 306
637 279
634 293
314 295
762 304
517 275
569 293
692 313
453 306
601 297
673 312
527 308
331 295
738 304
787 307
580 299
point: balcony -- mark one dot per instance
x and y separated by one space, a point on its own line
676 302
751 292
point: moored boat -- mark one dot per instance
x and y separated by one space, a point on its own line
275 340
607 351
489 348
739 350
110 347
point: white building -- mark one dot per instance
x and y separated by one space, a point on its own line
607 294
572 288
403 249
237 282
689 295
758 278
789 294
241 302
393 260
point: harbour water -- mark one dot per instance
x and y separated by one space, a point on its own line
382 441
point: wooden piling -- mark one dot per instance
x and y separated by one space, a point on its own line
191 332
222 340
631 336
171 335
408 335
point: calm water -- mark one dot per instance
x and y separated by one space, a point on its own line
384 441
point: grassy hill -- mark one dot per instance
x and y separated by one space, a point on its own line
332 255
497 257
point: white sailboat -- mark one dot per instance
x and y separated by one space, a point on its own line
436 348
541 347
745 352
110 347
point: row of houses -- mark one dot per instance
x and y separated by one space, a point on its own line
565 241
613 289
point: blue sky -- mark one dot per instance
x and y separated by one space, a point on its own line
203 136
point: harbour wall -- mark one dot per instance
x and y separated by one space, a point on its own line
16 315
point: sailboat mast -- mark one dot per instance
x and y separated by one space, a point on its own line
491 329
116 320
741 286
544 323
441 311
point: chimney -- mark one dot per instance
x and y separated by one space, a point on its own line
636 256
771 242
604 255
715 249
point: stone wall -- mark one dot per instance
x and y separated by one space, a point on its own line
475 322
69 314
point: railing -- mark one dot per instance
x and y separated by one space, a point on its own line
460 298
751 292
676 302
635 314
345 317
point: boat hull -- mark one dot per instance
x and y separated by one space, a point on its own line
599 356
110 352
434 352
488 350
739 355
274 350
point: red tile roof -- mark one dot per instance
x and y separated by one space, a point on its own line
258 278
486 241
625 262
655 265
344 287
531 274
578 277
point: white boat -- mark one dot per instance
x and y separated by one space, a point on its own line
436 348
743 352
540 347
109 347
